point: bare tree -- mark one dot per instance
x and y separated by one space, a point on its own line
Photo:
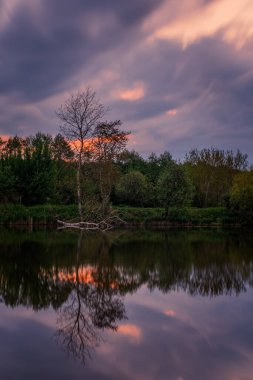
79 117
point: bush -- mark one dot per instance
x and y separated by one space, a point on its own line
132 189
241 196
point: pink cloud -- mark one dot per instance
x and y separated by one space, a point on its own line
233 20
133 332
172 112
132 94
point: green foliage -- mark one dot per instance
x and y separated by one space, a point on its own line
139 214
7 183
131 161
61 150
151 168
212 171
132 189
174 187
40 169
13 213
150 216
32 170
241 197
204 216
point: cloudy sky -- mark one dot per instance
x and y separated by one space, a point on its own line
179 74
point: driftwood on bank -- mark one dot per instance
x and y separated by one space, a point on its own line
103 225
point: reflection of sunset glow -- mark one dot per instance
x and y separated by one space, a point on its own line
132 94
131 331
84 275
170 312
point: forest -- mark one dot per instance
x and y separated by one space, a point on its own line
41 169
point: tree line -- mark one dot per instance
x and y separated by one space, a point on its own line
41 169
87 163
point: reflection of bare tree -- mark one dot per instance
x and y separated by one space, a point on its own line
89 309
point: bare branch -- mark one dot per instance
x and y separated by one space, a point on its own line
79 116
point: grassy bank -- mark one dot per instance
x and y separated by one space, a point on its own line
187 216
43 214
48 214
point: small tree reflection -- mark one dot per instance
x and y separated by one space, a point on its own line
89 309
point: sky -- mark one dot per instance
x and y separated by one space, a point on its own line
178 74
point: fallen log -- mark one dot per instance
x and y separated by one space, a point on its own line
104 225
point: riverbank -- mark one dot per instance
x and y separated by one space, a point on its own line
136 216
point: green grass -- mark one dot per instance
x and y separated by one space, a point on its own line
43 214
191 216
138 214
48 214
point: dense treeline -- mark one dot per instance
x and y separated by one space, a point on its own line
41 169
36 170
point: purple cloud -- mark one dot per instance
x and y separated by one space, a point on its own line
174 88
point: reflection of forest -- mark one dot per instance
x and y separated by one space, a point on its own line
84 277
42 269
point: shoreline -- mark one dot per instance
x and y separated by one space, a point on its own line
135 217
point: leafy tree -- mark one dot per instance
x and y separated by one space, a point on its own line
174 188
27 169
65 181
156 165
241 196
37 172
212 171
130 161
61 150
132 189
14 146
151 167
7 184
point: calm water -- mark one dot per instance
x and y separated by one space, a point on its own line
126 305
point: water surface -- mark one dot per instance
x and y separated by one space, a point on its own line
126 305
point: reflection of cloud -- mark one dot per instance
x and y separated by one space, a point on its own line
8 317
169 312
131 331
233 18
7 8
131 94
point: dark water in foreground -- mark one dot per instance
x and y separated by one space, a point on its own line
126 305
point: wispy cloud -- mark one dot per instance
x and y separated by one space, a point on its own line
233 20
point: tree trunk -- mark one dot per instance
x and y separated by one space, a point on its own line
105 205
79 191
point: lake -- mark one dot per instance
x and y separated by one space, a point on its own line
174 305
